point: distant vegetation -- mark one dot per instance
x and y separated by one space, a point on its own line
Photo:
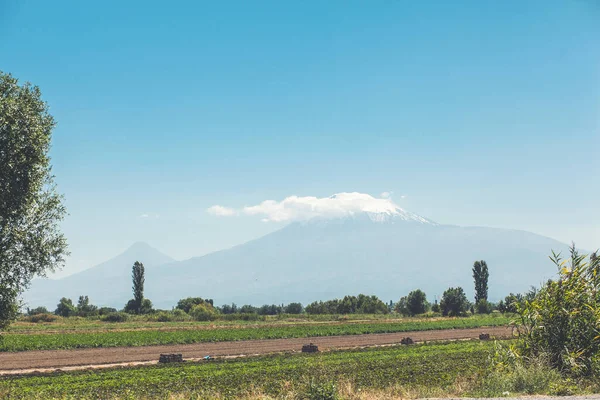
453 303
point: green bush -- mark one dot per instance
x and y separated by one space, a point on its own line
37 310
203 312
320 391
563 320
532 376
242 317
170 316
189 302
115 317
41 318
483 307
65 308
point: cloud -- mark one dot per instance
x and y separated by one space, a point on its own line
295 208
221 211
148 216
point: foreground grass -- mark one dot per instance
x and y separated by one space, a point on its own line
83 339
437 367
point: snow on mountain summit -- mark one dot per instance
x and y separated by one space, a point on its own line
382 210
306 208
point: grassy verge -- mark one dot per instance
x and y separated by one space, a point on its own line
62 340
438 367
146 322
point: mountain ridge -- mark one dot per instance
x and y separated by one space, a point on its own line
330 258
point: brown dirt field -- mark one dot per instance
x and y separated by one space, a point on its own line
55 359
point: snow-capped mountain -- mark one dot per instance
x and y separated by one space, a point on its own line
384 252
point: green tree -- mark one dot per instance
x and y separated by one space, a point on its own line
138 278
189 302
84 308
402 306
293 308
416 302
454 302
65 308
37 310
480 276
31 243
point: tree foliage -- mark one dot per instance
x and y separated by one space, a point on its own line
65 308
562 321
416 302
84 308
294 308
189 302
30 208
204 312
138 278
480 276
454 302
362 304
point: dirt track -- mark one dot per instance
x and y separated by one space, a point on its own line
28 360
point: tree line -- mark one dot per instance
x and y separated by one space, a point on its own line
453 302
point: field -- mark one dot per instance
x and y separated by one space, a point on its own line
437 367
24 337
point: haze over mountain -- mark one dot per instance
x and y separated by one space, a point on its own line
384 252
107 284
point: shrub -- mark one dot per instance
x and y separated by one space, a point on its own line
189 302
169 316
229 309
84 308
454 302
248 309
37 310
483 307
65 308
272 309
562 321
293 308
45 317
402 306
132 308
203 312
115 317
532 377
106 310
241 317
321 391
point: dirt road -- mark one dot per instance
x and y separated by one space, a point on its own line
52 359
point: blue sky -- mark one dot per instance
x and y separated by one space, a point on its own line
478 112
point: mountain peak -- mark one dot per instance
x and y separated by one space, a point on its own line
140 246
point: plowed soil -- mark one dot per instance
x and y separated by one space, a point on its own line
55 359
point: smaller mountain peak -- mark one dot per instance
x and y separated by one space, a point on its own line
140 246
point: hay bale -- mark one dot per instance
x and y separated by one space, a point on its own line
170 358
310 348
407 340
484 336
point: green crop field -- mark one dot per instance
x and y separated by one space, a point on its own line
436 366
188 334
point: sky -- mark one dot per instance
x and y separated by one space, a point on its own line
466 112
